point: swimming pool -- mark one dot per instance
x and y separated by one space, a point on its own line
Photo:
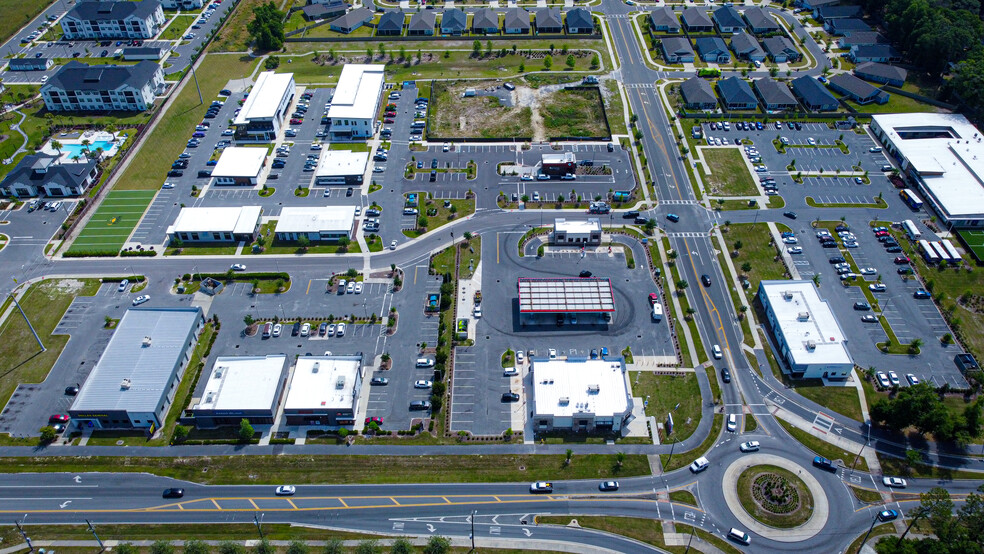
77 149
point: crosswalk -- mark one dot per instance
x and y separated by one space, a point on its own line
640 85
678 202
687 235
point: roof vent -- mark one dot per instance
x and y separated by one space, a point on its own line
787 294
146 341
594 389
564 400
811 345
340 382
315 367
803 316
219 371
209 398
125 385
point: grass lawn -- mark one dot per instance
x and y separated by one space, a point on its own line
756 251
374 243
684 459
351 469
843 400
784 521
896 104
148 169
867 496
683 497
896 466
823 448
649 531
729 174
233 35
16 13
178 26
573 113
206 249
471 254
170 532
113 222
44 303
664 392
614 108
462 208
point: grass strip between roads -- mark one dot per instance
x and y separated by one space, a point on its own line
309 469
684 459
825 449
649 531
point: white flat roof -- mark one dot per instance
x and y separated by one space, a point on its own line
577 227
810 329
243 383
215 220
565 387
568 295
323 382
266 96
951 163
342 163
358 91
240 161
316 219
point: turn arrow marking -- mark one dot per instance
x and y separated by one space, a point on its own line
78 478
65 503
527 532
430 528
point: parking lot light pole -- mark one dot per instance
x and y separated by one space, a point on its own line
472 518
28 321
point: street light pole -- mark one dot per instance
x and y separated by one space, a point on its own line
259 524
93 531
30 547
870 527
28 321
474 512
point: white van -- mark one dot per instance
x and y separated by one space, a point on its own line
657 311
739 536
700 464
425 362
717 352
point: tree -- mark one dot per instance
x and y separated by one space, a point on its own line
248 320
267 27
548 62
57 145
369 53
195 546
522 67
271 63
437 545
180 433
382 50
476 48
368 547
746 267
265 547
402 546
570 61
126 548
912 458
334 546
162 547
229 547
47 434
488 48
403 53
303 241
682 284
245 430
568 455
939 512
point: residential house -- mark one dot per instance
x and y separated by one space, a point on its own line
677 50
454 22
390 24
815 4
728 20
775 96
883 53
516 22
548 20
759 21
113 20
845 26
813 95
746 47
422 24
862 38
857 90
881 73
485 21
318 12
29 64
579 22
825 13
698 94
713 50
663 20
351 21
45 175
735 94
695 20
80 87
781 50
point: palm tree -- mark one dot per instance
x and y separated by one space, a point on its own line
111 128
85 144
57 145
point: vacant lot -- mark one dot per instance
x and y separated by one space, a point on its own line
729 174
179 24
665 393
573 113
756 251
16 14
454 116
233 36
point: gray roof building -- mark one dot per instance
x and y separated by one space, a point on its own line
664 20
485 20
352 20
727 19
813 95
774 95
862 38
548 20
390 23
823 13
698 94
102 20
780 49
29 64
579 21
77 86
874 53
43 175
517 21
422 23
713 49
857 90
144 53
454 22
696 19
845 26
736 94
881 73
106 11
746 47
135 380
759 21
814 4
677 50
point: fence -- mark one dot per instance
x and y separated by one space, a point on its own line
443 38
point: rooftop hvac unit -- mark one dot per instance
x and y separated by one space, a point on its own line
125 385
564 401
340 382
811 345
209 398
146 342
315 367
219 371
787 294
594 389
803 316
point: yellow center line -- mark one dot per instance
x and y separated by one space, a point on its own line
309 286
497 248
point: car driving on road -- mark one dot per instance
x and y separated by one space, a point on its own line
541 487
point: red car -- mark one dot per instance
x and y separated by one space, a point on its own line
881 234
388 120
653 298
376 420
296 121
58 418
901 260
390 114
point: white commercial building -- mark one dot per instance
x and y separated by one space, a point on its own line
242 387
341 167
806 332
233 224
944 155
356 102
264 111
580 395
317 223
577 232
134 382
324 391
239 165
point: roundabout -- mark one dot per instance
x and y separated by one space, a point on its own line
775 498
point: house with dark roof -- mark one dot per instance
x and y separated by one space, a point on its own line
746 47
548 20
485 21
735 94
863 38
516 22
774 95
759 21
181 4
677 50
351 21
845 26
324 10
137 53
422 24
695 20
390 24
113 20
80 87
454 22
884 53
44 175
881 73
825 13
814 4
857 90
781 50
713 50
813 95
29 64
579 22
663 20
728 20
698 94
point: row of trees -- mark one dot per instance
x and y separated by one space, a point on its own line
956 533
267 27
920 406
435 545
932 33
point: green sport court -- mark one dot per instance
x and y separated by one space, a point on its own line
111 225
974 241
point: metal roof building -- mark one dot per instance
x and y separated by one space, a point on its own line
580 395
137 376
565 295
242 387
